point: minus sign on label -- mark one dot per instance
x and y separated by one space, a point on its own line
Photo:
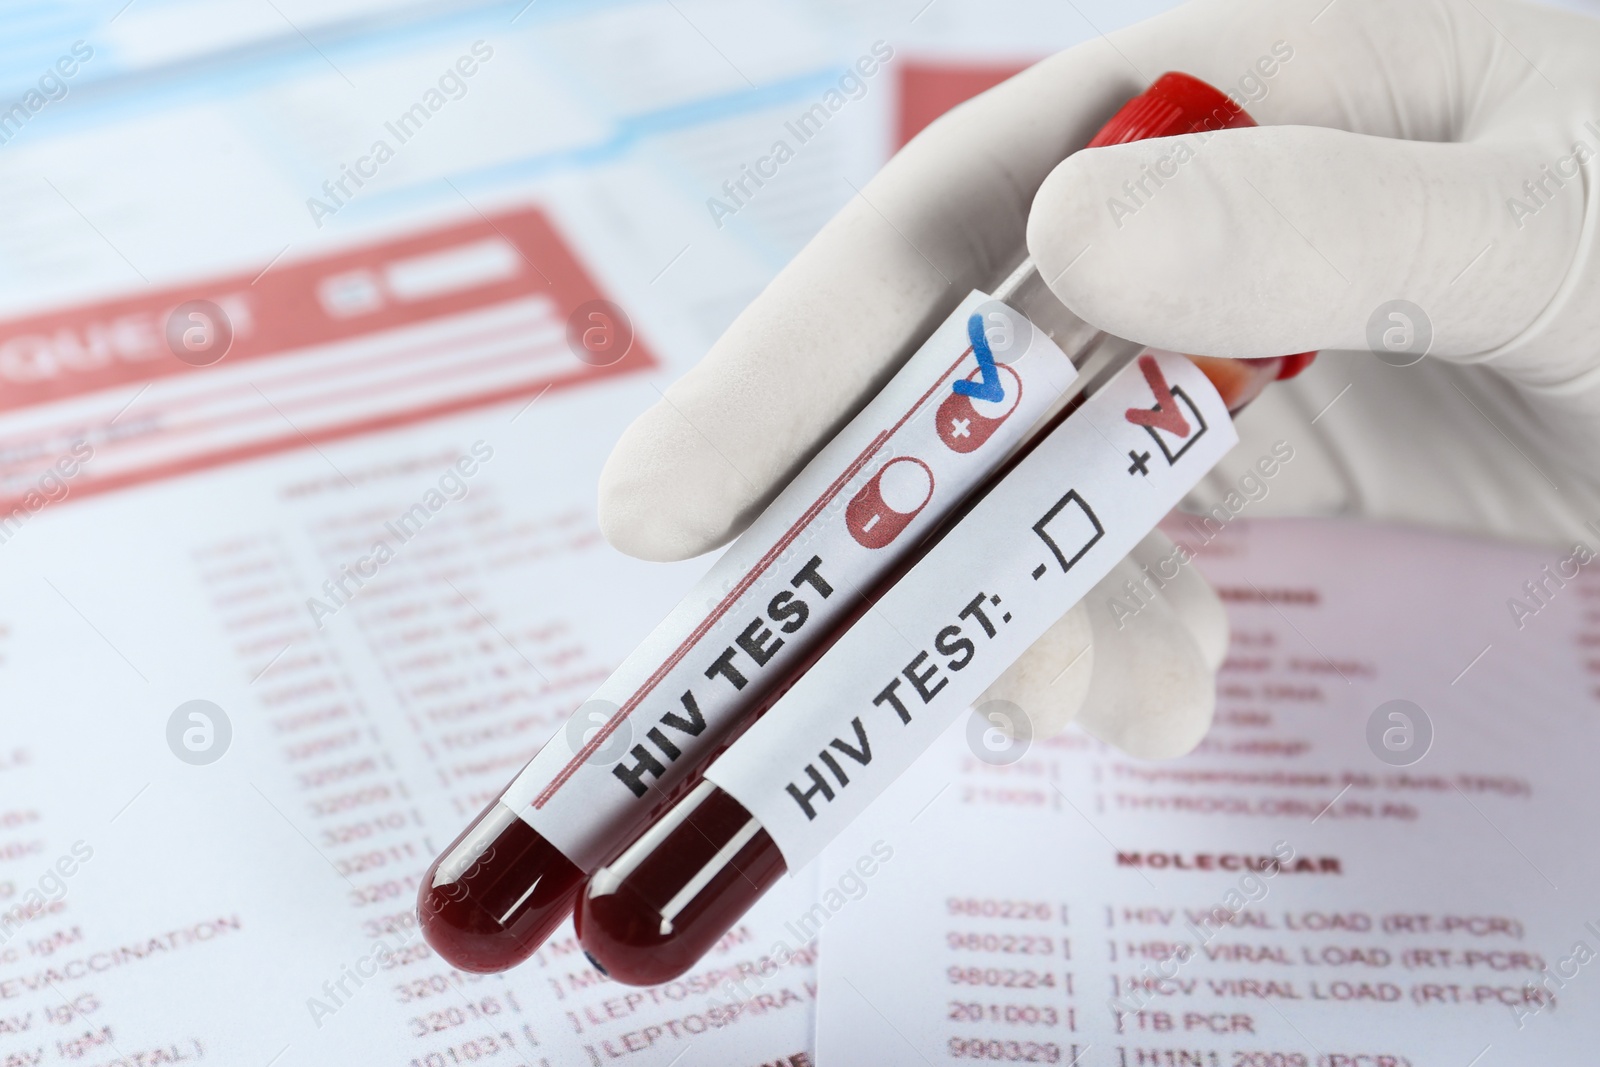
1038 572
871 523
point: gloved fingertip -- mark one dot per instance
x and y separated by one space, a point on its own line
1049 681
663 494
1154 694
1260 241
1181 734
1171 569
1202 612
1149 272
1062 221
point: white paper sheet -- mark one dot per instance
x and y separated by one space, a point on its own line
258 909
383 639
1076 905
192 914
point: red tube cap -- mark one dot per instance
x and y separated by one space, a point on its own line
1175 103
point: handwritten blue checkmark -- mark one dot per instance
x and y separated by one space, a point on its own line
990 388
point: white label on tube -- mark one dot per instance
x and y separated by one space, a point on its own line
1026 553
867 498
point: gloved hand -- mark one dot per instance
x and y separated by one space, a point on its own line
1443 154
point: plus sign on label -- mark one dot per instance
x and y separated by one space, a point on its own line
965 422
1140 459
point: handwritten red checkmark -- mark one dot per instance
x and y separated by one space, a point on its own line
1167 415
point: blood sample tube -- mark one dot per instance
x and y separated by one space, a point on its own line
509 880
862 504
647 915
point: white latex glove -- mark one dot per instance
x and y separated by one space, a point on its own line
1417 125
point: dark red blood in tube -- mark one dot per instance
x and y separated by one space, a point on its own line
889 501
962 427
496 893
649 922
